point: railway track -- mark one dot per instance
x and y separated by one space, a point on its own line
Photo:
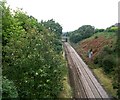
84 83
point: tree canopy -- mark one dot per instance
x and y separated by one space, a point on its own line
81 33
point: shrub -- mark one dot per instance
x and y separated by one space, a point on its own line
107 49
8 89
96 60
75 38
99 58
108 64
96 37
99 30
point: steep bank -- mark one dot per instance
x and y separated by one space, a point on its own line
97 43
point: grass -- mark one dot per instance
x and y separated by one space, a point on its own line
105 34
105 81
66 92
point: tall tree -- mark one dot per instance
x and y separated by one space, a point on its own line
83 32
53 26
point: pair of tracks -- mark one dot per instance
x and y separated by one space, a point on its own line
84 83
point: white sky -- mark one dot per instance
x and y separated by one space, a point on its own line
71 14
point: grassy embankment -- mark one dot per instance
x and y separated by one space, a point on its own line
97 43
67 90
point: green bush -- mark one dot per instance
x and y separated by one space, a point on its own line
99 30
96 37
108 63
8 89
112 29
107 49
75 38
96 60
105 59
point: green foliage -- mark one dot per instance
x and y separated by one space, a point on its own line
106 60
117 70
96 60
86 31
109 59
9 25
32 56
53 26
57 29
83 32
58 46
75 38
108 64
108 50
96 37
8 89
99 30
112 29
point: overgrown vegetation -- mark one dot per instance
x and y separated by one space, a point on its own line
116 84
32 56
9 89
105 59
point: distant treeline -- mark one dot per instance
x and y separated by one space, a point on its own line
86 31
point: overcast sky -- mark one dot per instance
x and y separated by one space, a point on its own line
71 14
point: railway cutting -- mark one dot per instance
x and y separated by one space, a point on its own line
83 82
